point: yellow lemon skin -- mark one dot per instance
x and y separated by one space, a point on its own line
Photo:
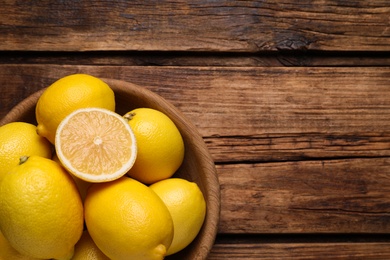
7 252
86 249
41 213
160 145
82 185
187 206
19 139
127 220
68 94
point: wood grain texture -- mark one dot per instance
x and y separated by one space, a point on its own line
313 251
328 196
275 134
227 26
253 114
294 147
291 97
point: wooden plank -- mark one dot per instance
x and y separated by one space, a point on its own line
294 147
328 196
252 114
314 251
203 59
227 26
242 101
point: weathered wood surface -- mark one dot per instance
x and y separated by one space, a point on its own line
257 103
327 196
292 99
294 251
221 26
299 150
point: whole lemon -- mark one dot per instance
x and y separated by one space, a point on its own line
187 206
127 220
7 252
41 213
86 249
19 139
160 145
68 94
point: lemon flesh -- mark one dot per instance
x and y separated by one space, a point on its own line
95 144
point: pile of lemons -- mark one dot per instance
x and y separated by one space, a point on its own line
88 183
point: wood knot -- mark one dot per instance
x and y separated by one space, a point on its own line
294 43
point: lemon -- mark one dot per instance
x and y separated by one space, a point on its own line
160 145
7 252
95 144
86 249
127 220
187 206
41 212
68 94
82 185
20 139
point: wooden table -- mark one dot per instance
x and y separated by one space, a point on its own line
291 97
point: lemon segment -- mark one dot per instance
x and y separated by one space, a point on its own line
95 145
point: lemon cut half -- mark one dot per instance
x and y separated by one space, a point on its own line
95 144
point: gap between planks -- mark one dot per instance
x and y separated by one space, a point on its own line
178 58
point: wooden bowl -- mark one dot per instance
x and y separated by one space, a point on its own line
197 166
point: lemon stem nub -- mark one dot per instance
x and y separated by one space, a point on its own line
23 159
129 116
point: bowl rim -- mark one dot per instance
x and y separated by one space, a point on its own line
210 182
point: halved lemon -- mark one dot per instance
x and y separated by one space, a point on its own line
95 144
